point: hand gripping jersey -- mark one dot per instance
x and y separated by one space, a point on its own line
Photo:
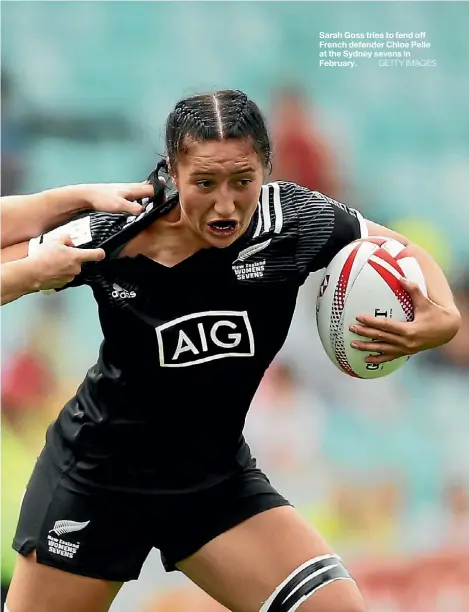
186 347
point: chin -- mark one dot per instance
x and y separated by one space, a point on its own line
221 243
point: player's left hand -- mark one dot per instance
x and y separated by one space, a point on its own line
117 197
432 326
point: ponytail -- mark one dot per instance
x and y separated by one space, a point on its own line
154 177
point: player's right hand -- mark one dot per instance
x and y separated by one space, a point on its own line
57 262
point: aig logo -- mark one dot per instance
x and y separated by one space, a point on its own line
204 336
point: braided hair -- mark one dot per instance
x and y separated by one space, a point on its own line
220 115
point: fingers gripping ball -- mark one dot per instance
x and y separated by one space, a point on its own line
364 278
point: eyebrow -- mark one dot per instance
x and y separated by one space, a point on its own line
207 173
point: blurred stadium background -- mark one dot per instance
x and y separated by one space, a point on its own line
381 468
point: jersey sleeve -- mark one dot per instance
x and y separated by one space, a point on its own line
324 227
87 231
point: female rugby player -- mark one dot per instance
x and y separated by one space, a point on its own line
195 299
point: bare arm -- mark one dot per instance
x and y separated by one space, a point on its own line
18 278
26 216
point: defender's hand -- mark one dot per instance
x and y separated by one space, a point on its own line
117 197
56 263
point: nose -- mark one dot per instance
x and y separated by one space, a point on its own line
224 205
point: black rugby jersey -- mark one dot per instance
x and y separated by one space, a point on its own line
186 347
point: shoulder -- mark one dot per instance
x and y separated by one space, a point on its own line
291 197
284 205
307 205
295 230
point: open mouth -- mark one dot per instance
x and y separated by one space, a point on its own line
223 227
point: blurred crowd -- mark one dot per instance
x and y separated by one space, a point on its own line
380 467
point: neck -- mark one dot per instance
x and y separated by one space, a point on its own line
174 228
168 241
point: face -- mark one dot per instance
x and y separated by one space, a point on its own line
219 184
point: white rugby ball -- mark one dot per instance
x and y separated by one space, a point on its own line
363 278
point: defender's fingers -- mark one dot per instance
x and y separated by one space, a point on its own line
65 240
91 254
126 206
137 191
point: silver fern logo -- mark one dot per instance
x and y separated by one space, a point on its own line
61 527
252 250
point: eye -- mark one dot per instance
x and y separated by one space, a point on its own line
204 184
244 182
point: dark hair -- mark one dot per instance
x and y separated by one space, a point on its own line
220 115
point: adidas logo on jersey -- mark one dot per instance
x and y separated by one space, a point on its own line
118 292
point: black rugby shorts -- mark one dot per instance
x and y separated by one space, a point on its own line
108 534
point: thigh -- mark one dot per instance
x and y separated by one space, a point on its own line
46 589
242 567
